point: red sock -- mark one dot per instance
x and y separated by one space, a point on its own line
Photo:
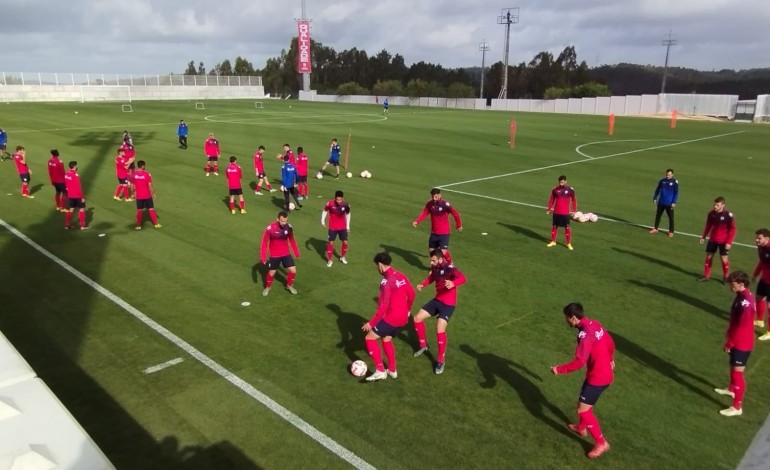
139 217
739 388
589 421
215 167
419 327
82 218
126 192
242 204
390 353
375 354
232 205
568 234
761 303
725 268
119 190
208 167
153 217
269 279
553 233
307 189
441 340
344 248
269 187
259 188
290 278
25 189
707 267
67 218
329 250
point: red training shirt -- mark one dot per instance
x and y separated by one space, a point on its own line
763 265
21 166
121 167
56 170
440 274
234 175
561 199
395 301
338 214
720 227
259 162
276 240
740 331
142 184
72 182
439 216
595 349
211 147
301 164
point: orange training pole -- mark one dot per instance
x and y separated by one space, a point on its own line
347 149
612 124
513 134
674 114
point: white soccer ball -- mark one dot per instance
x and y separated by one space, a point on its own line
349 175
292 206
368 174
577 215
358 368
319 175
593 217
583 218
363 174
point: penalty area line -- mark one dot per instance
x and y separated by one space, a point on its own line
247 388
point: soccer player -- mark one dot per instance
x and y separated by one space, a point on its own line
127 138
287 152
121 171
447 278
439 210
301 165
75 197
339 225
289 182
4 145
720 229
234 176
562 198
181 133
762 294
385 107
128 148
259 168
56 174
211 149
334 158
145 195
665 197
276 240
393 305
740 341
25 175
595 349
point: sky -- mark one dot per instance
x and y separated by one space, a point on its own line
162 36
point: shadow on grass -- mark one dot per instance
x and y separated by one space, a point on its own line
35 188
682 297
411 258
521 379
526 232
317 245
259 271
665 368
657 261
351 337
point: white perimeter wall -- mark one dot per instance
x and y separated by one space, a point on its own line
762 113
25 93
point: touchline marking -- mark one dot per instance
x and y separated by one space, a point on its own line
577 149
268 402
608 219
589 159
159 367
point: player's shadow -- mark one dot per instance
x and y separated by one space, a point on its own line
351 337
317 245
682 297
253 185
411 258
657 261
647 359
35 188
525 231
259 274
278 201
520 378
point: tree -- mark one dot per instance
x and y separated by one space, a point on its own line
388 88
416 88
190 68
460 90
243 67
201 69
351 88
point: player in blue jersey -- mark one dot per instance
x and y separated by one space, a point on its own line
385 107
4 145
181 132
665 196
289 182
334 158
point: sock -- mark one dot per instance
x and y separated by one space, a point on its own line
329 250
208 168
290 278
568 234
67 218
259 188
269 279
269 187
553 233
56 199
25 189
419 327
441 340
242 204
589 421
761 308
119 190
215 167
344 248
139 217
153 217
725 268
126 192
739 388
232 205
390 353
707 267
82 218
375 354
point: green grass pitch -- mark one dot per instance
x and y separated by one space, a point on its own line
496 405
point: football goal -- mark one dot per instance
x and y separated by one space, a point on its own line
199 105
258 105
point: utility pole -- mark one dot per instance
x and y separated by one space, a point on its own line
668 42
508 16
484 48
305 21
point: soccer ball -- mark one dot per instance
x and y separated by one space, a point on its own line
577 215
363 174
319 175
349 175
358 368
291 206
367 174
593 217
583 218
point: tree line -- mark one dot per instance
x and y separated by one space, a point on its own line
354 72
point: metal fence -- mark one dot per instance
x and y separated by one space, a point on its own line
104 79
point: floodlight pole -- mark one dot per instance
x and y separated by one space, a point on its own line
508 16
668 42
484 48
305 76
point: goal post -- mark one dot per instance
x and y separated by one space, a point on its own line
90 93
199 105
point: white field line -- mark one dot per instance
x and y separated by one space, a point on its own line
247 388
577 149
589 159
608 219
159 367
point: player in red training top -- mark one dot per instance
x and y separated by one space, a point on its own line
339 226
739 340
720 230
128 148
439 210
121 171
259 168
145 195
75 197
447 278
762 294
25 174
287 152
301 165
276 240
234 175
56 174
393 305
211 149
562 198
595 350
